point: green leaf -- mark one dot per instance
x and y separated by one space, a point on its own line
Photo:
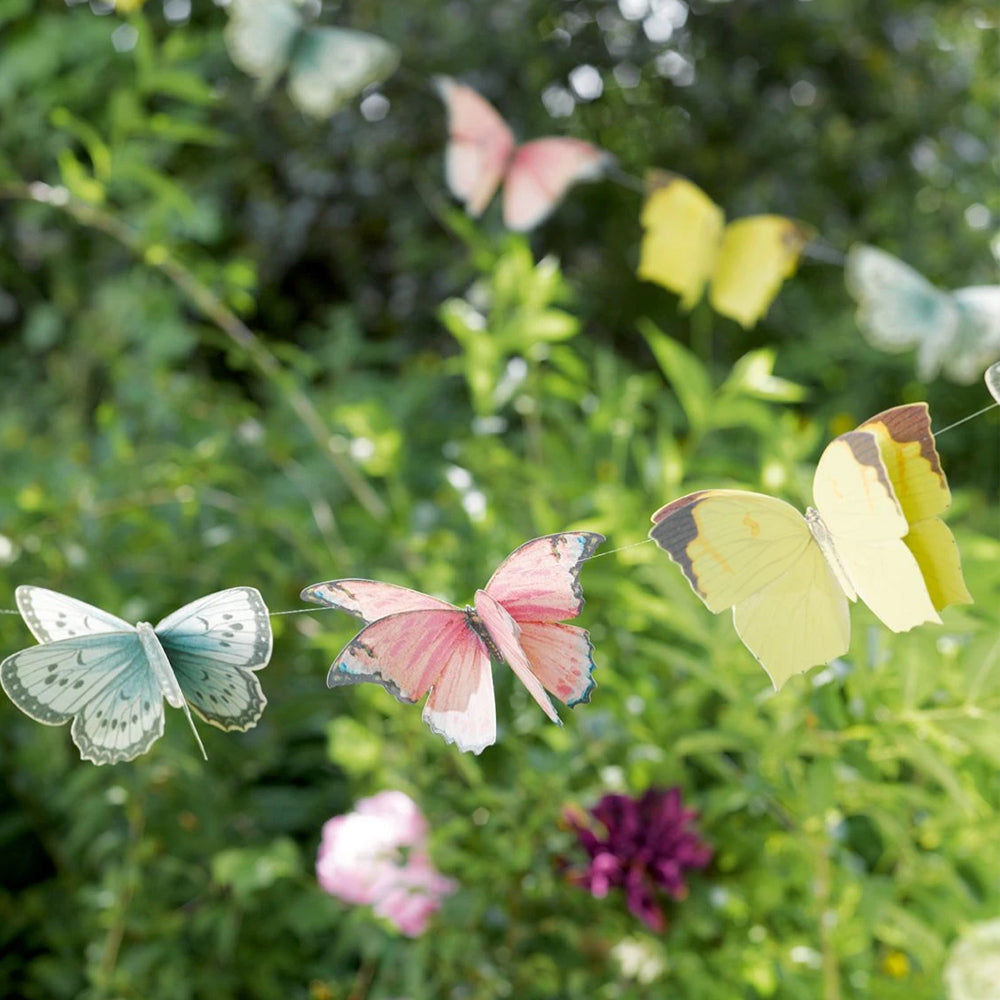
248 870
685 373
753 375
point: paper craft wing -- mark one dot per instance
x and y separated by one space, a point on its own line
370 600
540 580
214 645
430 650
540 173
756 256
480 145
855 497
757 555
51 616
682 232
910 456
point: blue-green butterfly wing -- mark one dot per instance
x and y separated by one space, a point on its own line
52 616
330 66
977 342
102 681
898 308
214 644
260 37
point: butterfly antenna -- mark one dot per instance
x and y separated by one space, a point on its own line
165 676
194 729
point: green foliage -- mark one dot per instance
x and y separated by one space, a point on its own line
424 397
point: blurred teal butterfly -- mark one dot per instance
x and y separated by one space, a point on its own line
326 66
111 677
956 333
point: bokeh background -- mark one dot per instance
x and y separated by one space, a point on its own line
425 394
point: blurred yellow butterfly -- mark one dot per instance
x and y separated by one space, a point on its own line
686 245
874 533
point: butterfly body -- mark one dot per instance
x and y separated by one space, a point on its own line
419 646
482 153
111 678
824 539
872 533
159 664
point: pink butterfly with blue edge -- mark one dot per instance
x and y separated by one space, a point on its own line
415 645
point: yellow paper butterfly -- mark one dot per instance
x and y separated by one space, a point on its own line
874 533
686 245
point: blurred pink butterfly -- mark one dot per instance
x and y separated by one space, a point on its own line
482 152
414 644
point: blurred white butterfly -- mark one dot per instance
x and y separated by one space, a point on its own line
326 66
992 379
111 677
956 333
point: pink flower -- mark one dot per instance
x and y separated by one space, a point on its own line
377 856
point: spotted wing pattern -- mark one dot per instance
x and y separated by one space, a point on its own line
103 682
214 644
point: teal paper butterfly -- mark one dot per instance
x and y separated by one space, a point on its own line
111 677
326 66
956 333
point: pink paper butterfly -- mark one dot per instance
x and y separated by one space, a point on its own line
413 643
482 152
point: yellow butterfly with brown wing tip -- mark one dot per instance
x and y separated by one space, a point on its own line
686 245
874 533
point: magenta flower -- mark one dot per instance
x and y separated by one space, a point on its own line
647 844
377 856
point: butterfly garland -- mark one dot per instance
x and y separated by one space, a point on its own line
687 246
874 533
111 677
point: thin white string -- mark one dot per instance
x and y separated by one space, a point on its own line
301 611
599 555
971 416
621 548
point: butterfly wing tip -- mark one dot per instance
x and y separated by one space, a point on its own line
584 698
338 677
463 747
310 594
442 84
